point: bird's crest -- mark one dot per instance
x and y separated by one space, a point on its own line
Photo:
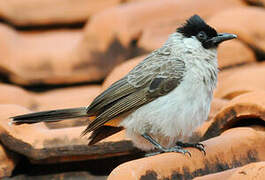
194 25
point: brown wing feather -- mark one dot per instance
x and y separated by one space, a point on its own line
116 91
161 86
137 78
125 104
102 133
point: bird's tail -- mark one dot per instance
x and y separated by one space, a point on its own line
50 116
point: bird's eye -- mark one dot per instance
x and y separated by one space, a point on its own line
201 36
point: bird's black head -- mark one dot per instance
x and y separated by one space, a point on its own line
208 36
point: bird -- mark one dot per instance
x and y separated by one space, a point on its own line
162 100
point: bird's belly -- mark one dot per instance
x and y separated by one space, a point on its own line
170 118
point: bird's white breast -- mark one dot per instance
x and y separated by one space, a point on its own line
172 117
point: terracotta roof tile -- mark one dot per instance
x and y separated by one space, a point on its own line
234 133
61 176
236 81
48 61
217 176
234 148
244 110
54 99
52 11
8 162
67 56
66 97
256 2
240 54
246 23
216 106
40 143
127 23
59 98
54 57
249 171
10 94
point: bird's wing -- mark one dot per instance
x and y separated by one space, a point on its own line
102 133
118 90
154 77
124 104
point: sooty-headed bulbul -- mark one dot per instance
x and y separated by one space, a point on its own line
162 100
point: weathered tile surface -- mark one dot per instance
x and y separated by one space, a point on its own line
66 97
46 57
246 22
38 142
249 171
10 94
37 12
222 153
245 110
236 81
8 162
256 2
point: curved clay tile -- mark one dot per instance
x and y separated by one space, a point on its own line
237 81
233 148
244 22
126 23
39 143
8 162
249 171
241 54
244 110
11 94
70 97
223 175
52 11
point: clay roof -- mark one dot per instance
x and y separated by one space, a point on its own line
62 54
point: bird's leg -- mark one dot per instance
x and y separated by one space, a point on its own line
162 149
198 146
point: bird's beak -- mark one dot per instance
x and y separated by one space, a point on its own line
222 37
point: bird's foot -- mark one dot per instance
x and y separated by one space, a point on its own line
198 146
177 149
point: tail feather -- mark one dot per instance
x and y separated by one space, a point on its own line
50 116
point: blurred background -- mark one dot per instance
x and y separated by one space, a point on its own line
63 53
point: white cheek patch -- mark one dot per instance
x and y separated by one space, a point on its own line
192 42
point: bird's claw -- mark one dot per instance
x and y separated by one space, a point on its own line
178 149
198 146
